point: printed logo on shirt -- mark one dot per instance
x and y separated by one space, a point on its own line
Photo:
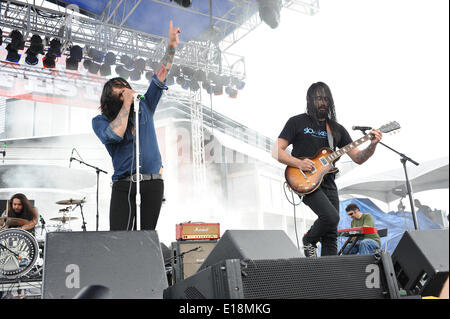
318 134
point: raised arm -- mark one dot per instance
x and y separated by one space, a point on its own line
167 60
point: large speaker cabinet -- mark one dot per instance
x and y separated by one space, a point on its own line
331 277
128 263
421 261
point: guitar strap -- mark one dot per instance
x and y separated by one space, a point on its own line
330 137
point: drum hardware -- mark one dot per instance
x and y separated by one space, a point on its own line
77 203
63 219
71 202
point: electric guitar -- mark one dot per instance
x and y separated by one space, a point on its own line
304 183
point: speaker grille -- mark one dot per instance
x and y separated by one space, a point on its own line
325 277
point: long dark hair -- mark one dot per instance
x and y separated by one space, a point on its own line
109 105
27 208
311 109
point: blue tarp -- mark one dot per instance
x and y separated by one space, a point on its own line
395 222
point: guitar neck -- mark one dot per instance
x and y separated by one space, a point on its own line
347 148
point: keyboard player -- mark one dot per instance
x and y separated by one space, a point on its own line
368 243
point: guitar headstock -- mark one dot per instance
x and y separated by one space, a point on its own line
390 127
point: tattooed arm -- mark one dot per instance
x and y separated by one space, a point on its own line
167 60
360 156
119 124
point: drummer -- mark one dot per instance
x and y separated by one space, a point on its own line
20 207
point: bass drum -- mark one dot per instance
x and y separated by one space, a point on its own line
19 251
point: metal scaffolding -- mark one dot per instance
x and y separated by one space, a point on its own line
108 32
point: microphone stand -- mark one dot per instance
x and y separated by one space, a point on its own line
403 160
138 176
98 171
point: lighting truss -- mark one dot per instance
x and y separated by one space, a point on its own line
110 34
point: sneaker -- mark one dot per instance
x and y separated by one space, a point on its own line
310 250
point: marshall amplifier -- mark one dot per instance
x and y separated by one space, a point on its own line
188 256
195 231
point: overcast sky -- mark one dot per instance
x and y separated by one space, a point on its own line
384 60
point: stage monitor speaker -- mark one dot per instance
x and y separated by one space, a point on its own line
188 256
329 277
252 244
421 261
128 263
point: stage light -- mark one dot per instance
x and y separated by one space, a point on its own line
187 71
53 52
139 64
224 80
183 3
36 47
105 70
127 62
17 43
122 72
269 12
237 83
93 68
86 63
231 92
213 77
110 58
199 75
218 90
194 86
75 56
135 75
96 55
180 80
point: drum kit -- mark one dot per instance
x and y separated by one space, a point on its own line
18 265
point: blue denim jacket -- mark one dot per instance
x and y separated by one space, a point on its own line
122 149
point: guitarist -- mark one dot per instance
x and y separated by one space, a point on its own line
309 132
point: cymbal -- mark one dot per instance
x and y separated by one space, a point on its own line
11 221
71 202
63 219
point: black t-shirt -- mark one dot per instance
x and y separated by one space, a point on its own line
307 140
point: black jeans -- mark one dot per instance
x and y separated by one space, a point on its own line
122 211
324 202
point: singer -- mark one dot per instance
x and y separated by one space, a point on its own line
20 207
309 132
116 130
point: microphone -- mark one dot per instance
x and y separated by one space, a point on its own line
361 128
71 157
138 97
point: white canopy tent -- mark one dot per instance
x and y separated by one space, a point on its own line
390 185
